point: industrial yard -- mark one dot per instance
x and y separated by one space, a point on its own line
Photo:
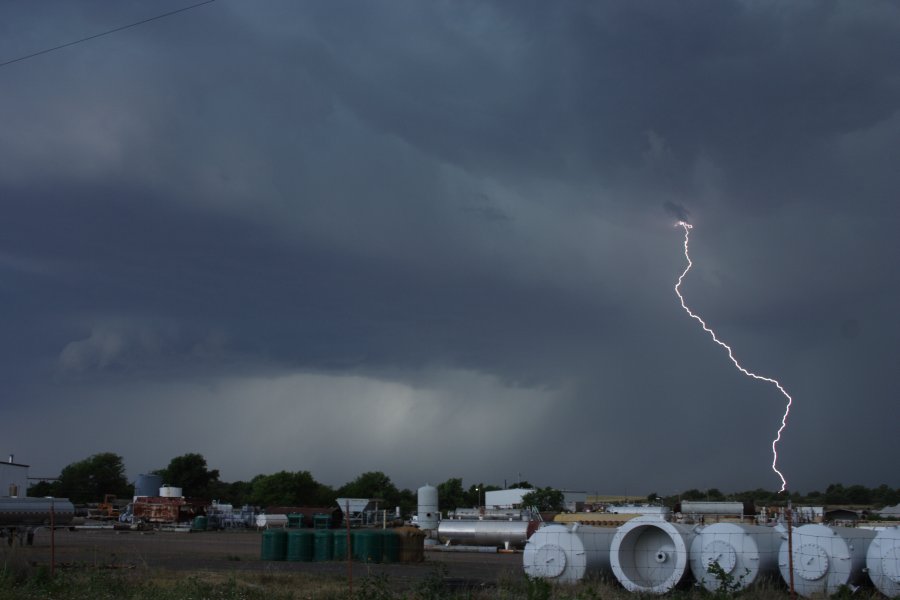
118 564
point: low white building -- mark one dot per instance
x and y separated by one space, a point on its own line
13 479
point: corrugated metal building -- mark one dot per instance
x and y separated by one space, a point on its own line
13 479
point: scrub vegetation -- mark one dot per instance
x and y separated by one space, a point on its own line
87 583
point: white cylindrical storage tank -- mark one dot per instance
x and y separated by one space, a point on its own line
883 562
732 509
428 514
825 558
147 485
651 556
170 491
267 521
508 534
744 552
567 553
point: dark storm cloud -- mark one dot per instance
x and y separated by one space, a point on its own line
449 214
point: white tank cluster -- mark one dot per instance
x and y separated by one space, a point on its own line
648 555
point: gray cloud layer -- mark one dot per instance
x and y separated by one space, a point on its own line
442 232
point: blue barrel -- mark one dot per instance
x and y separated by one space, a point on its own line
323 545
274 544
300 545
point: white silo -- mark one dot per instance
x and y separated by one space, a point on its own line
428 515
567 553
825 558
883 562
743 552
651 556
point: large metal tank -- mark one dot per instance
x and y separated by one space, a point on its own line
147 485
825 558
731 509
883 562
509 534
34 512
428 514
568 553
270 521
170 491
743 552
651 556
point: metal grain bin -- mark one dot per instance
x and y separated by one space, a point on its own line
300 545
274 544
323 544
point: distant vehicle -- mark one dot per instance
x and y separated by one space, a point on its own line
20 517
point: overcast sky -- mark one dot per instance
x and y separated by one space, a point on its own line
437 239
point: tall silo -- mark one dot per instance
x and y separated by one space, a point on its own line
428 515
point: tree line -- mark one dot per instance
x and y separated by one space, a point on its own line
89 480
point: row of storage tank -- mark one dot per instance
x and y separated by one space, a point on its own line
651 556
400 545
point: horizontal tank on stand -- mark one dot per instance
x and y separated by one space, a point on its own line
35 512
568 553
507 534
743 552
650 556
883 562
269 521
825 558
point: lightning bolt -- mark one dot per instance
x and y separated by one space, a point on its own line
687 230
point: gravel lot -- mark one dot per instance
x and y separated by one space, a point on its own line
221 551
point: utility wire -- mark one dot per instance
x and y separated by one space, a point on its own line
162 16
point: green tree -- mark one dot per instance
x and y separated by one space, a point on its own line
545 499
190 473
287 488
451 494
373 484
90 479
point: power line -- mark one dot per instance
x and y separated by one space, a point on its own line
91 37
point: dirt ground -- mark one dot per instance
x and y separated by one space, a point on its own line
231 551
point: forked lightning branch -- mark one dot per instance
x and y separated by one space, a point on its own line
687 231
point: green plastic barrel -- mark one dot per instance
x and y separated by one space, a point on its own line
274 544
390 546
323 545
368 545
300 545
340 544
200 523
